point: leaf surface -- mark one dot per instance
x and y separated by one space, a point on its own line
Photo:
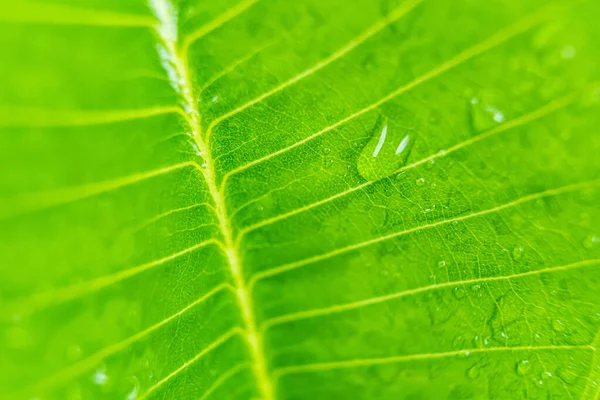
259 199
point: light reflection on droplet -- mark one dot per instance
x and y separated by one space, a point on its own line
135 390
100 376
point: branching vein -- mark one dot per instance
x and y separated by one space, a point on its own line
356 246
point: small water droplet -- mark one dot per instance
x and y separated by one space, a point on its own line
215 99
196 149
523 367
420 182
517 253
480 341
568 52
459 292
591 241
204 165
326 150
100 376
558 325
473 372
327 163
443 152
483 115
441 263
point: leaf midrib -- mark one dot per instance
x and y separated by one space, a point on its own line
178 53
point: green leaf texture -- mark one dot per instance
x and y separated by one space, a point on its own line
312 199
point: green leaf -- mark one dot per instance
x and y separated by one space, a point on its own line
317 199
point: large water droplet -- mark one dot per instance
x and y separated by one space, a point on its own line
523 367
386 152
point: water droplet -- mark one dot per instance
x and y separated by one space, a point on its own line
215 99
568 52
484 115
523 367
327 163
420 182
386 152
196 149
204 165
480 341
517 253
459 292
402 145
100 376
591 241
133 394
441 263
473 372
326 150
443 152
558 325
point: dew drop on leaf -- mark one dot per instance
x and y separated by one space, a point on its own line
459 292
386 152
100 377
523 367
591 241
133 394
558 325
517 253
420 182
484 115
473 372
327 162
441 263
